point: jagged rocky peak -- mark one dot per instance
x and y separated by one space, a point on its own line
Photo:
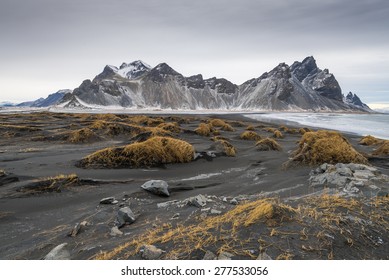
221 85
160 72
353 99
195 81
133 70
281 71
302 69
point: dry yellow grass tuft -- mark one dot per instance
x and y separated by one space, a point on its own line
221 124
204 129
250 127
283 128
227 147
326 147
81 135
370 140
268 144
250 135
19 127
170 126
269 129
302 131
277 134
383 149
152 152
51 184
145 120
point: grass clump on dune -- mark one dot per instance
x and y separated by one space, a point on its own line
152 152
370 141
227 147
277 134
51 184
81 136
326 147
268 144
170 126
221 124
250 135
383 149
204 129
250 127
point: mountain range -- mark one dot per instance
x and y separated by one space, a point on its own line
303 86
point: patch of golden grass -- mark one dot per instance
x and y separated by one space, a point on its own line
268 144
52 184
228 148
173 127
326 147
221 124
269 129
302 131
283 128
117 128
216 132
250 135
250 127
152 152
198 236
81 136
107 117
382 150
293 131
145 120
370 141
277 134
204 129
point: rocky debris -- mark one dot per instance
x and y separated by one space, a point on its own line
158 187
78 228
209 256
167 204
198 201
150 252
215 212
225 256
58 253
234 201
351 178
125 216
115 231
264 257
6 178
108 200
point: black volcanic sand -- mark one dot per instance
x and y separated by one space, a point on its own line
34 147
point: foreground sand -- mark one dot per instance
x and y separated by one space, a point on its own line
297 221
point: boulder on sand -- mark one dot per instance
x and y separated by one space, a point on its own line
158 187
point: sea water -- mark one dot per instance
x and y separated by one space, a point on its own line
362 124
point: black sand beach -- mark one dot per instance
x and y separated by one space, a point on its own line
40 203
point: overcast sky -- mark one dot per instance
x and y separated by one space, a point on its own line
48 45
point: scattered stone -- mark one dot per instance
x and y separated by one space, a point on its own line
125 216
225 199
167 204
150 252
215 212
209 256
157 187
78 228
363 174
264 257
198 201
108 200
234 201
115 231
205 209
175 216
225 256
58 253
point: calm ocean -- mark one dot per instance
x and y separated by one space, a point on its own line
361 124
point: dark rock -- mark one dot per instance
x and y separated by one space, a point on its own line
125 216
108 200
150 252
158 187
